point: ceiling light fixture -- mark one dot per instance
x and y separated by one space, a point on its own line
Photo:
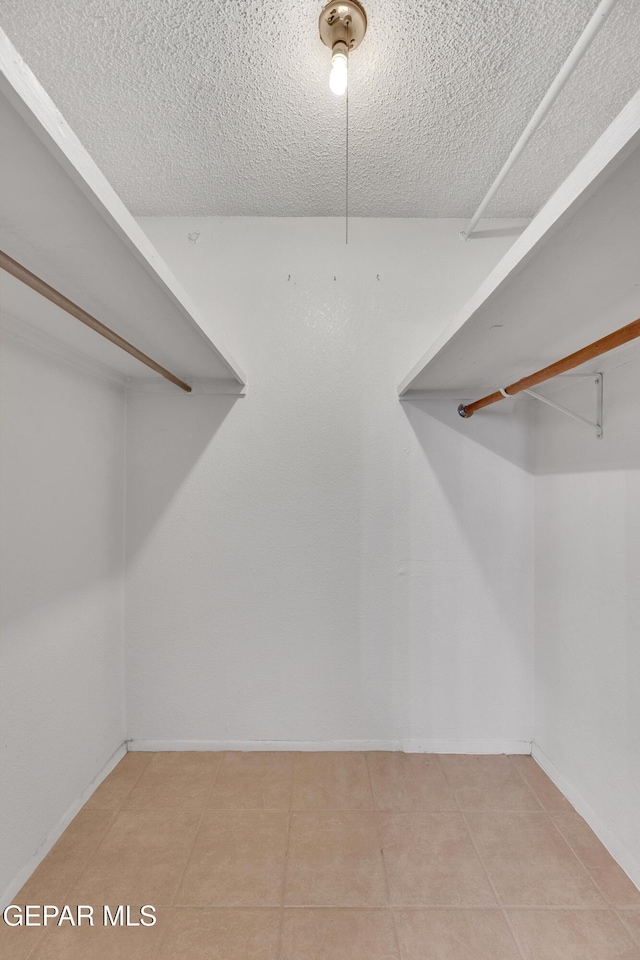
342 27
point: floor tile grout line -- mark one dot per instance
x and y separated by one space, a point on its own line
461 809
609 903
408 812
80 874
119 808
507 811
505 915
286 862
384 865
505 912
527 785
549 817
198 828
135 783
418 907
312 808
369 781
549 814
77 877
620 912
240 809
38 941
342 810
114 816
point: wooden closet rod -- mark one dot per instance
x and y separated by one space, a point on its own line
612 340
21 273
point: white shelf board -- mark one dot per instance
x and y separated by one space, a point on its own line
571 277
62 220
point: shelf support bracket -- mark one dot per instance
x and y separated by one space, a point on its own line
596 424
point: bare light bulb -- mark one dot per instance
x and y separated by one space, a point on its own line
339 73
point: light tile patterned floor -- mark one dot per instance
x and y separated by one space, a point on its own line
333 856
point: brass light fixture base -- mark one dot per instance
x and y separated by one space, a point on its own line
343 22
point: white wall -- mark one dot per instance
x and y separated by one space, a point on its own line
318 562
61 685
587 729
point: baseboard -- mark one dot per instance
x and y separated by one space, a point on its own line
407 746
245 745
629 864
467 746
60 827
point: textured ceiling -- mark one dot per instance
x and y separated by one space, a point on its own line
196 107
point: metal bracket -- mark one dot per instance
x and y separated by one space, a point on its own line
596 424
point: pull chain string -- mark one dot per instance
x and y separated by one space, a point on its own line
346 178
346 191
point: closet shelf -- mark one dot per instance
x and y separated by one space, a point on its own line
62 220
572 276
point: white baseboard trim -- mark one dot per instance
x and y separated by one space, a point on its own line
467 746
617 850
407 746
246 745
57 831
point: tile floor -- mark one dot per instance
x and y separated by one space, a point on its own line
332 856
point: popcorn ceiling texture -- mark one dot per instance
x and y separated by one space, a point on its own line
222 107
